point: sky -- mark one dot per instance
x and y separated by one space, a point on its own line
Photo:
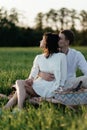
30 8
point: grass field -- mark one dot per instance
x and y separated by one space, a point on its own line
16 63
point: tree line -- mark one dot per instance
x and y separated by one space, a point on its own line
13 35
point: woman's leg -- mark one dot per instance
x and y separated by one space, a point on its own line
21 92
11 102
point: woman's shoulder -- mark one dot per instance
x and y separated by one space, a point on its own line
39 56
59 56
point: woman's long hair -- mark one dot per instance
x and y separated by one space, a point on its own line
51 44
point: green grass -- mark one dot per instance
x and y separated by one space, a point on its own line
16 63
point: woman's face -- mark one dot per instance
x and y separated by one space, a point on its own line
42 42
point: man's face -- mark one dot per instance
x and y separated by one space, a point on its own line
63 42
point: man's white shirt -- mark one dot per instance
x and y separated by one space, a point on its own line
75 59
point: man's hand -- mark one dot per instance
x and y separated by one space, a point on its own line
46 76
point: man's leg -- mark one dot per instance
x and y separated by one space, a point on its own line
78 79
74 82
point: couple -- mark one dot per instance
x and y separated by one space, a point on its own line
51 70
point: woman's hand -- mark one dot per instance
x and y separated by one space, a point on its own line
29 82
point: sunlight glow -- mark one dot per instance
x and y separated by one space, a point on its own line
30 8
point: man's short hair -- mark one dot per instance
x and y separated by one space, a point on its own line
68 35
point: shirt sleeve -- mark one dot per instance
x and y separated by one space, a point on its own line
82 63
63 69
35 68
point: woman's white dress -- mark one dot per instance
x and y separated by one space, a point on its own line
55 64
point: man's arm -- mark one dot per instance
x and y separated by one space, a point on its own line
82 63
46 76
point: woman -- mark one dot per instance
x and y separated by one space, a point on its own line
45 62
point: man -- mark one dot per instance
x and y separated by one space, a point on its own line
75 59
